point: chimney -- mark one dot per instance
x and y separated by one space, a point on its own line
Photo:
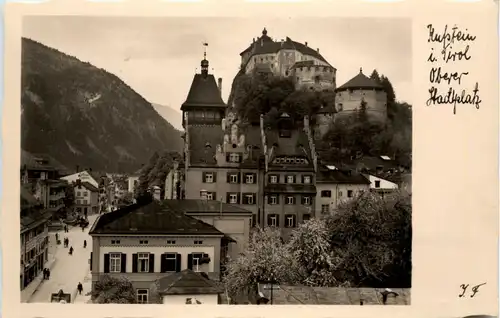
306 43
219 83
317 50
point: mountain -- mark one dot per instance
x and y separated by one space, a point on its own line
173 116
86 116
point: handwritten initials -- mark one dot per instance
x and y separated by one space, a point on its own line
474 289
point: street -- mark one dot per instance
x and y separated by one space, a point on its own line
68 270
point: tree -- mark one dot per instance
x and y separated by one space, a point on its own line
375 76
111 290
69 196
371 240
310 247
266 258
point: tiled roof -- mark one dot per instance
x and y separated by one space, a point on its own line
187 282
372 162
203 92
203 141
338 176
266 45
289 146
290 188
34 219
89 186
296 295
360 81
151 219
203 206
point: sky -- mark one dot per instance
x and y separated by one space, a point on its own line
158 56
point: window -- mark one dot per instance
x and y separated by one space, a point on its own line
78 193
234 157
290 200
115 262
306 217
142 296
233 198
198 242
290 221
143 262
306 200
209 177
85 202
85 194
273 199
248 198
273 179
340 193
233 178
170 242
78 202
249 178
170 262
115 242
307 179
377 183
196 261
325 208
326 194
143 242
273 220
290 179
210 196
349 193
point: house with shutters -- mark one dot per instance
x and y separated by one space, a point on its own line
146 242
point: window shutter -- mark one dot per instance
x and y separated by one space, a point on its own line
269 179
214 196
178 263
228 177
269 219
277 220
278 178
163 265
227 156
190 261
278 199
214 176
268 199
294 179
203 177
293 201
134 263
227 197
244 198
239 177
151 263
106 263
90 261
302 200
294 218
124 263
254 196
254 177
240 158
302 178
238 195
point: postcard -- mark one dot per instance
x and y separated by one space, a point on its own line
242 154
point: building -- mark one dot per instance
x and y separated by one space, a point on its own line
172 183
86 198
335 186
84 176
189 288
360 88
34 237
380 185
145 243
288 58
234 221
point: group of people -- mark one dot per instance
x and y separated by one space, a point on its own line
66 242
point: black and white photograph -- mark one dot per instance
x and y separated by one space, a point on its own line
230 161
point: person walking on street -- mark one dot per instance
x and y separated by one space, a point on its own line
80 288
71 250
84 243
44 273
48 273
57 237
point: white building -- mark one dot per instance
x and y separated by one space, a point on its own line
84 176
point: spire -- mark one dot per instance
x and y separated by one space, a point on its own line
264 32
204 62
360 70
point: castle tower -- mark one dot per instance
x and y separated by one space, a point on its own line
348 98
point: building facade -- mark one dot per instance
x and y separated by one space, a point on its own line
86 198
288 58
165 242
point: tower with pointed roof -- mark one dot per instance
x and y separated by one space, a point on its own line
288 58
348 98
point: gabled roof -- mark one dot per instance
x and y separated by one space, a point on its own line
89 186
296 145
203 93
34 219
360 81
187 282
325 175
151 219
203 206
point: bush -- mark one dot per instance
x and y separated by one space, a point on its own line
111 290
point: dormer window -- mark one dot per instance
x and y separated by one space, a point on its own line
234 157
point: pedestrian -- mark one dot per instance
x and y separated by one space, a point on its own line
83 228
71 250
48 273
84 243
44 273
80 288
57 237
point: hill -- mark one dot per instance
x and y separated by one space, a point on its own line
83 115
173 116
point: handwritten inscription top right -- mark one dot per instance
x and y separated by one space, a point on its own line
449 52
